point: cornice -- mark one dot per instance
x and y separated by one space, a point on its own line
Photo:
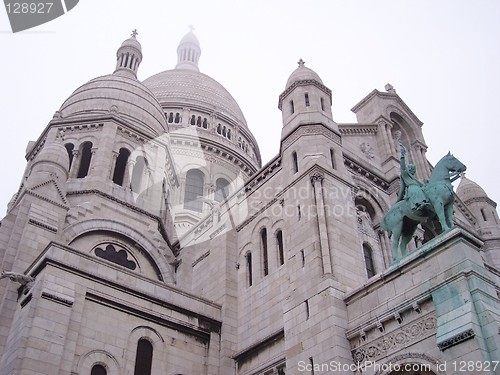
364 172
310 129
385 95
304 82
358 129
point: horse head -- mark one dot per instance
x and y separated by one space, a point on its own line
449 166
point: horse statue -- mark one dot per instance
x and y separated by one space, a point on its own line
405 215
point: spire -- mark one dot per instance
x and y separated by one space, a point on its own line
129 56
188 52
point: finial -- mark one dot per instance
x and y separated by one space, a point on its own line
134 33
390 88
301 63
191 27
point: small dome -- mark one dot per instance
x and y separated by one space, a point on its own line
302 74
132 42
195 88
190 38
54 153
468 189
121 95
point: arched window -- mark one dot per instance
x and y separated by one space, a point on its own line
295 162
228 134
85 158
219 129
292 107
143 358
265 258
248 258
306 99
198 121
193 120
177 118
332 157
120 166
137 174
98 370
70 147
322 104
171 117
368 254
194 190
279 243
205 123
221 189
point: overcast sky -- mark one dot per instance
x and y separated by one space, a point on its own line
442 57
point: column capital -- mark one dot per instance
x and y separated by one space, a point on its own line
317 176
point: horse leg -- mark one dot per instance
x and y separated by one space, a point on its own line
439 208
396 235
449 214
406 238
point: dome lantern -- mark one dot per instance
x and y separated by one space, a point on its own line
188 52
129 56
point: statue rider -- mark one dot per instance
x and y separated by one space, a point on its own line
410 188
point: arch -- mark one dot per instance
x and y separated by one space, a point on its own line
264 248
371 196
98 369
295 162
143 357
151 338
70 148
193 120
100 358
138 171
85 159
368 256
249 270
280 247
121 166
193 191
404 126
221 189
81 228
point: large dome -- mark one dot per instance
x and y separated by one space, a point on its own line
120 94
186 86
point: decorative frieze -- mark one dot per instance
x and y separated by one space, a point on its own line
314 129
396 340
457 339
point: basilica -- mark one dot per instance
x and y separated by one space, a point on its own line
147 238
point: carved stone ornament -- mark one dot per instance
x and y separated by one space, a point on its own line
396 340
317 177
368 150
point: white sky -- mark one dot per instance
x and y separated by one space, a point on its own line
442 57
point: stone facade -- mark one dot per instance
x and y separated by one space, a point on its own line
146 238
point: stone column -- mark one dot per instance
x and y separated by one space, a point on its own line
76 161
382 125
317 182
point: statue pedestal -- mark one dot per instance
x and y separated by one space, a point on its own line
439 303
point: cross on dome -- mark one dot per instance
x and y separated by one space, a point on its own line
134 33
301 63
191 27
